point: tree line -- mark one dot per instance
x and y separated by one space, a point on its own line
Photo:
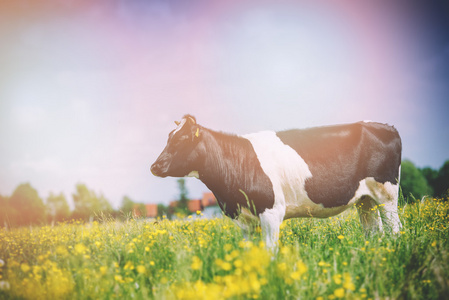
419 182
25 207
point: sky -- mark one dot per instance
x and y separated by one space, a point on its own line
89 90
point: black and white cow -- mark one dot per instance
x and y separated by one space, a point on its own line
272 176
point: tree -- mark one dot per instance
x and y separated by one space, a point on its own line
7 213
182 206
441 187
139 210
104 205
431 176
127 206
413 182
57 208
87 204
28 206
163 210
438 179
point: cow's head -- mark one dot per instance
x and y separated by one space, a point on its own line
180 155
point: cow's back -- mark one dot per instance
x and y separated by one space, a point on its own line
339 157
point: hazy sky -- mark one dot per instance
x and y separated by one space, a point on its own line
89 90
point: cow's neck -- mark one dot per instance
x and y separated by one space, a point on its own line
230 169
225 160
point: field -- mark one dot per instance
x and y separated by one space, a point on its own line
209 259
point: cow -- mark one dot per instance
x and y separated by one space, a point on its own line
268 177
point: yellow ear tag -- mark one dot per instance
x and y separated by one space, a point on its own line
197 133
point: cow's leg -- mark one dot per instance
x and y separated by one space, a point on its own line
390 217
369 215
270 221
388 207
386 197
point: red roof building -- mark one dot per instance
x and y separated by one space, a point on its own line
151 210
208 199
194 205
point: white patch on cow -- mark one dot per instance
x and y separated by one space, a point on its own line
287 172
194 174
367 121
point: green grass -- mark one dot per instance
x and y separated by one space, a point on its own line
208 259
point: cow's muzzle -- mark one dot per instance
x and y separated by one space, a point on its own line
158 170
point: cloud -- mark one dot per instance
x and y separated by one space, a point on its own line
38 166
28 117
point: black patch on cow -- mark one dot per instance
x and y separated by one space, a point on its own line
229 167
340 156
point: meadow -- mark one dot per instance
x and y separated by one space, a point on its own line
209 259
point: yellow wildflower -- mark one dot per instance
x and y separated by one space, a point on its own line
61 250
103 270
80 249
226 266
141 269
295 275
227 247
302 268
25 267
196 263
348 282
282 266
337 278
339 293
238 263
